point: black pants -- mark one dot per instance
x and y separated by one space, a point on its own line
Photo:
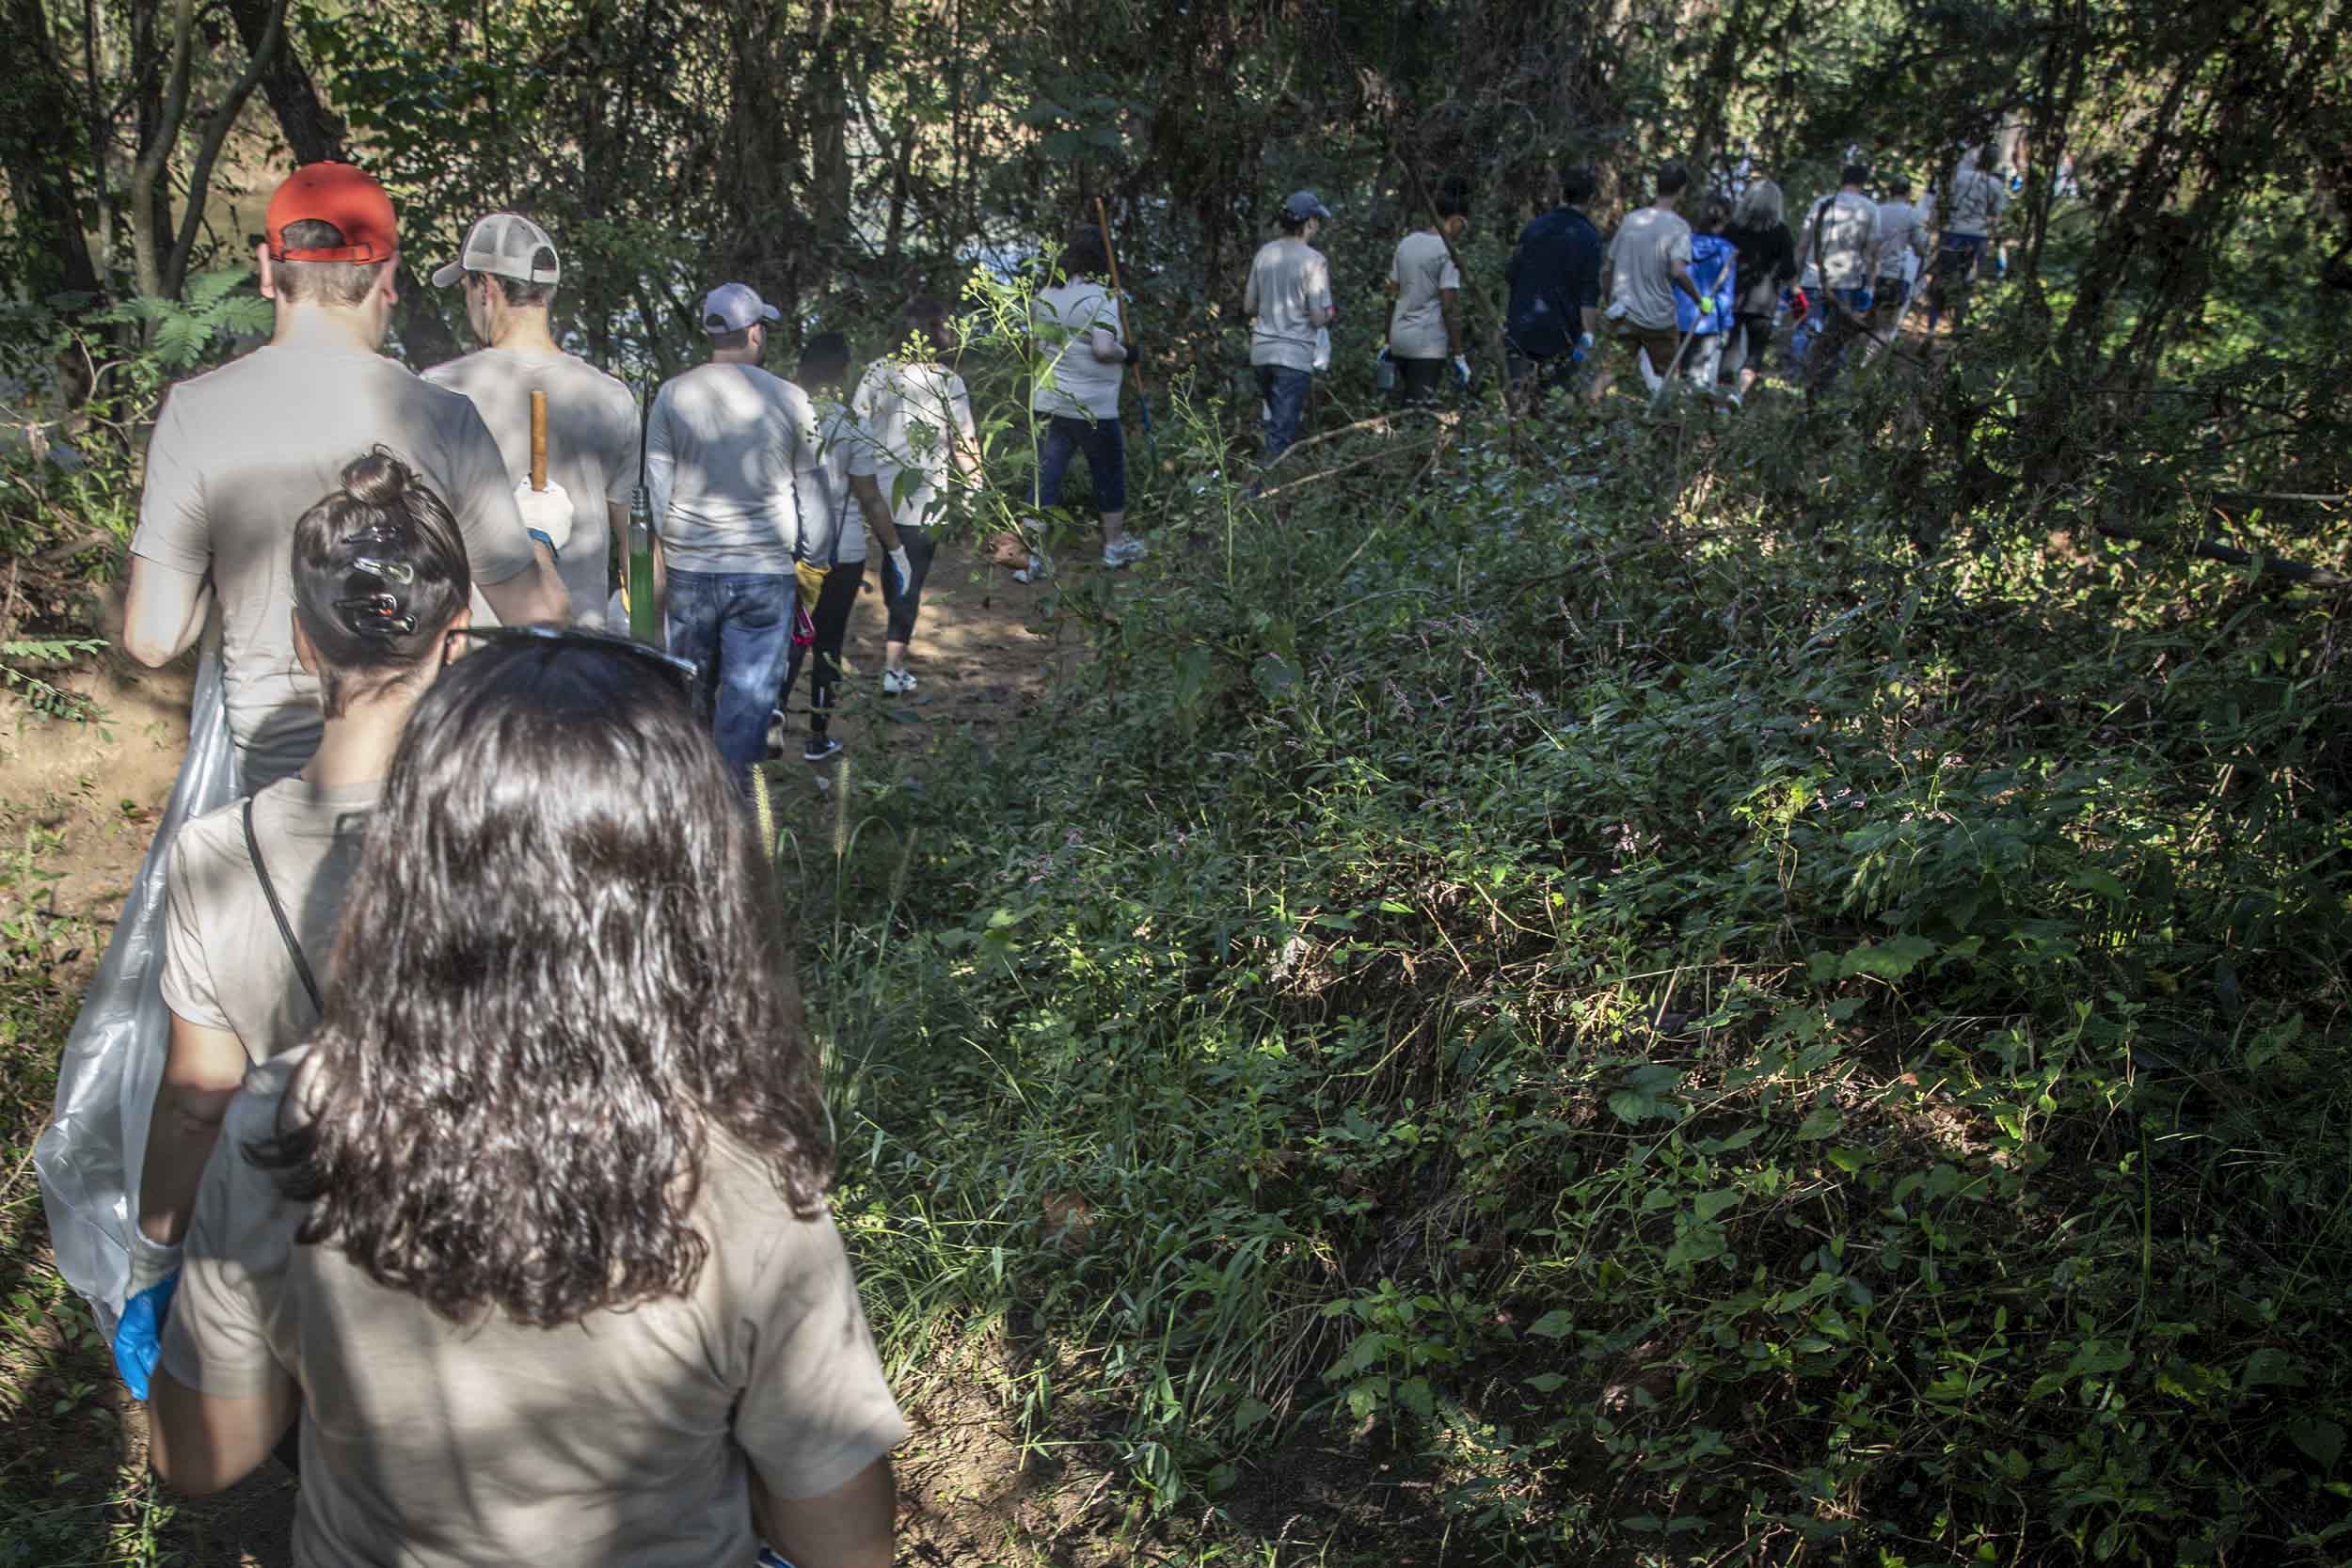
1416 381
832 616
903 608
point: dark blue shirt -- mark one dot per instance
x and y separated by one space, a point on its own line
1554 275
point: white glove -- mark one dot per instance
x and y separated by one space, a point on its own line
547 513
1323 348
1461 369
904 567
150 1261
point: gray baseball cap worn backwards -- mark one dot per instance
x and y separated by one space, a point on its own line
733 307
1302 205
507 245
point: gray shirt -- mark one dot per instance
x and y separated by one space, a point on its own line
1977 201
1640 276
1421 270
1290 283
1844 231
240 453
592 449
731 460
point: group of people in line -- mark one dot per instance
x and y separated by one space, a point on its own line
466 1188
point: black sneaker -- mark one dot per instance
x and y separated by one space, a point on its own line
820 748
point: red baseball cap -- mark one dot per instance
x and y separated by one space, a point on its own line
342 194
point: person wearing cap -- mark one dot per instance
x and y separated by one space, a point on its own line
380 579
240 452
509 270
733 468
1288 300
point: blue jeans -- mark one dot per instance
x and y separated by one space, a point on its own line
736 626
1105 447
1285 394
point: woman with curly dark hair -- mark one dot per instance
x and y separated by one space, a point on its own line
536 1224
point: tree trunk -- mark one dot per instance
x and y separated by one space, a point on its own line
35 109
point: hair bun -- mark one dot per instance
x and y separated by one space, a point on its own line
378 478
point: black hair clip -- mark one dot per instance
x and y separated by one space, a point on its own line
377 615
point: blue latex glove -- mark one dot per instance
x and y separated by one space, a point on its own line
139 1338
2000 265
1864 303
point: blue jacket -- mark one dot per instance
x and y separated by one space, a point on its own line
1554 274
1713 263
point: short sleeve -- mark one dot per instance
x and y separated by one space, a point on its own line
173 529
1316 280
483 500
814 1408
960 407
1449 276
187 981
1681 248
1396 265
215 1340
859 459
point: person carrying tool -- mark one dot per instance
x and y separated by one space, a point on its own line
1288 300
732 465
1425 302
509 270
1077 330
1649 262
241 452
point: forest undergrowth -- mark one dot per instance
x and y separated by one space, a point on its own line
1625 996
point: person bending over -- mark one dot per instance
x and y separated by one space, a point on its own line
919 417
536 1224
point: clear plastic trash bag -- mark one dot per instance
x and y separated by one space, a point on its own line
89 1155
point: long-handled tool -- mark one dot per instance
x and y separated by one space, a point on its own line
538 439
1143 400
645 617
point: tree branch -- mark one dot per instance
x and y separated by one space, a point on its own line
216 129
148 265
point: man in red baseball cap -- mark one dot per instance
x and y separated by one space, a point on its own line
241 453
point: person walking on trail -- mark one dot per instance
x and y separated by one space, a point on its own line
926 458
1288 300
1767 264
1081 368
1425 303
241 452
509 270
1902 246
1554 309
833 540
1649 262
252 893
535 1225
731 463
1714 267
1974 218
1840 236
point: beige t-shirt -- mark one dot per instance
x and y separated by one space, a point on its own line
240 453
845 452
732 467
1423 269
1640 257
623 1438
1902 239
1978 200
1845 229
592 449
225 965
910 411
1072 382
1289 282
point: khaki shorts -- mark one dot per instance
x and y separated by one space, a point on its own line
1660 341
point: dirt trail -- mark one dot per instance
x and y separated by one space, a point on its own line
78 804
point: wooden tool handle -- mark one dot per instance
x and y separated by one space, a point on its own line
1103 225
538 439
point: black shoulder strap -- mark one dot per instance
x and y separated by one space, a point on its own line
277 910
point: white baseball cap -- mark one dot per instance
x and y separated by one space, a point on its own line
508 245
733 307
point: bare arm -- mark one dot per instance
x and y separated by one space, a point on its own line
536 595
200 1077
849 1527
162 613
1679 273
1450 306
202 1443
867 489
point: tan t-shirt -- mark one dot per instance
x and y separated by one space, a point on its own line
1290 282
1640 265
1423 269
1846 227
623 1438
592 449
239 454
225 965
910 411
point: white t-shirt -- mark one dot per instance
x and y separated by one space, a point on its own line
1070 381
911 412
591 448
1290 282
1640 265
1423 269
731 462
845 452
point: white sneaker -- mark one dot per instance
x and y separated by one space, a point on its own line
897 681
1126 553
1036 571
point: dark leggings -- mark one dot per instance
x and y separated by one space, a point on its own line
903 608
832 616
